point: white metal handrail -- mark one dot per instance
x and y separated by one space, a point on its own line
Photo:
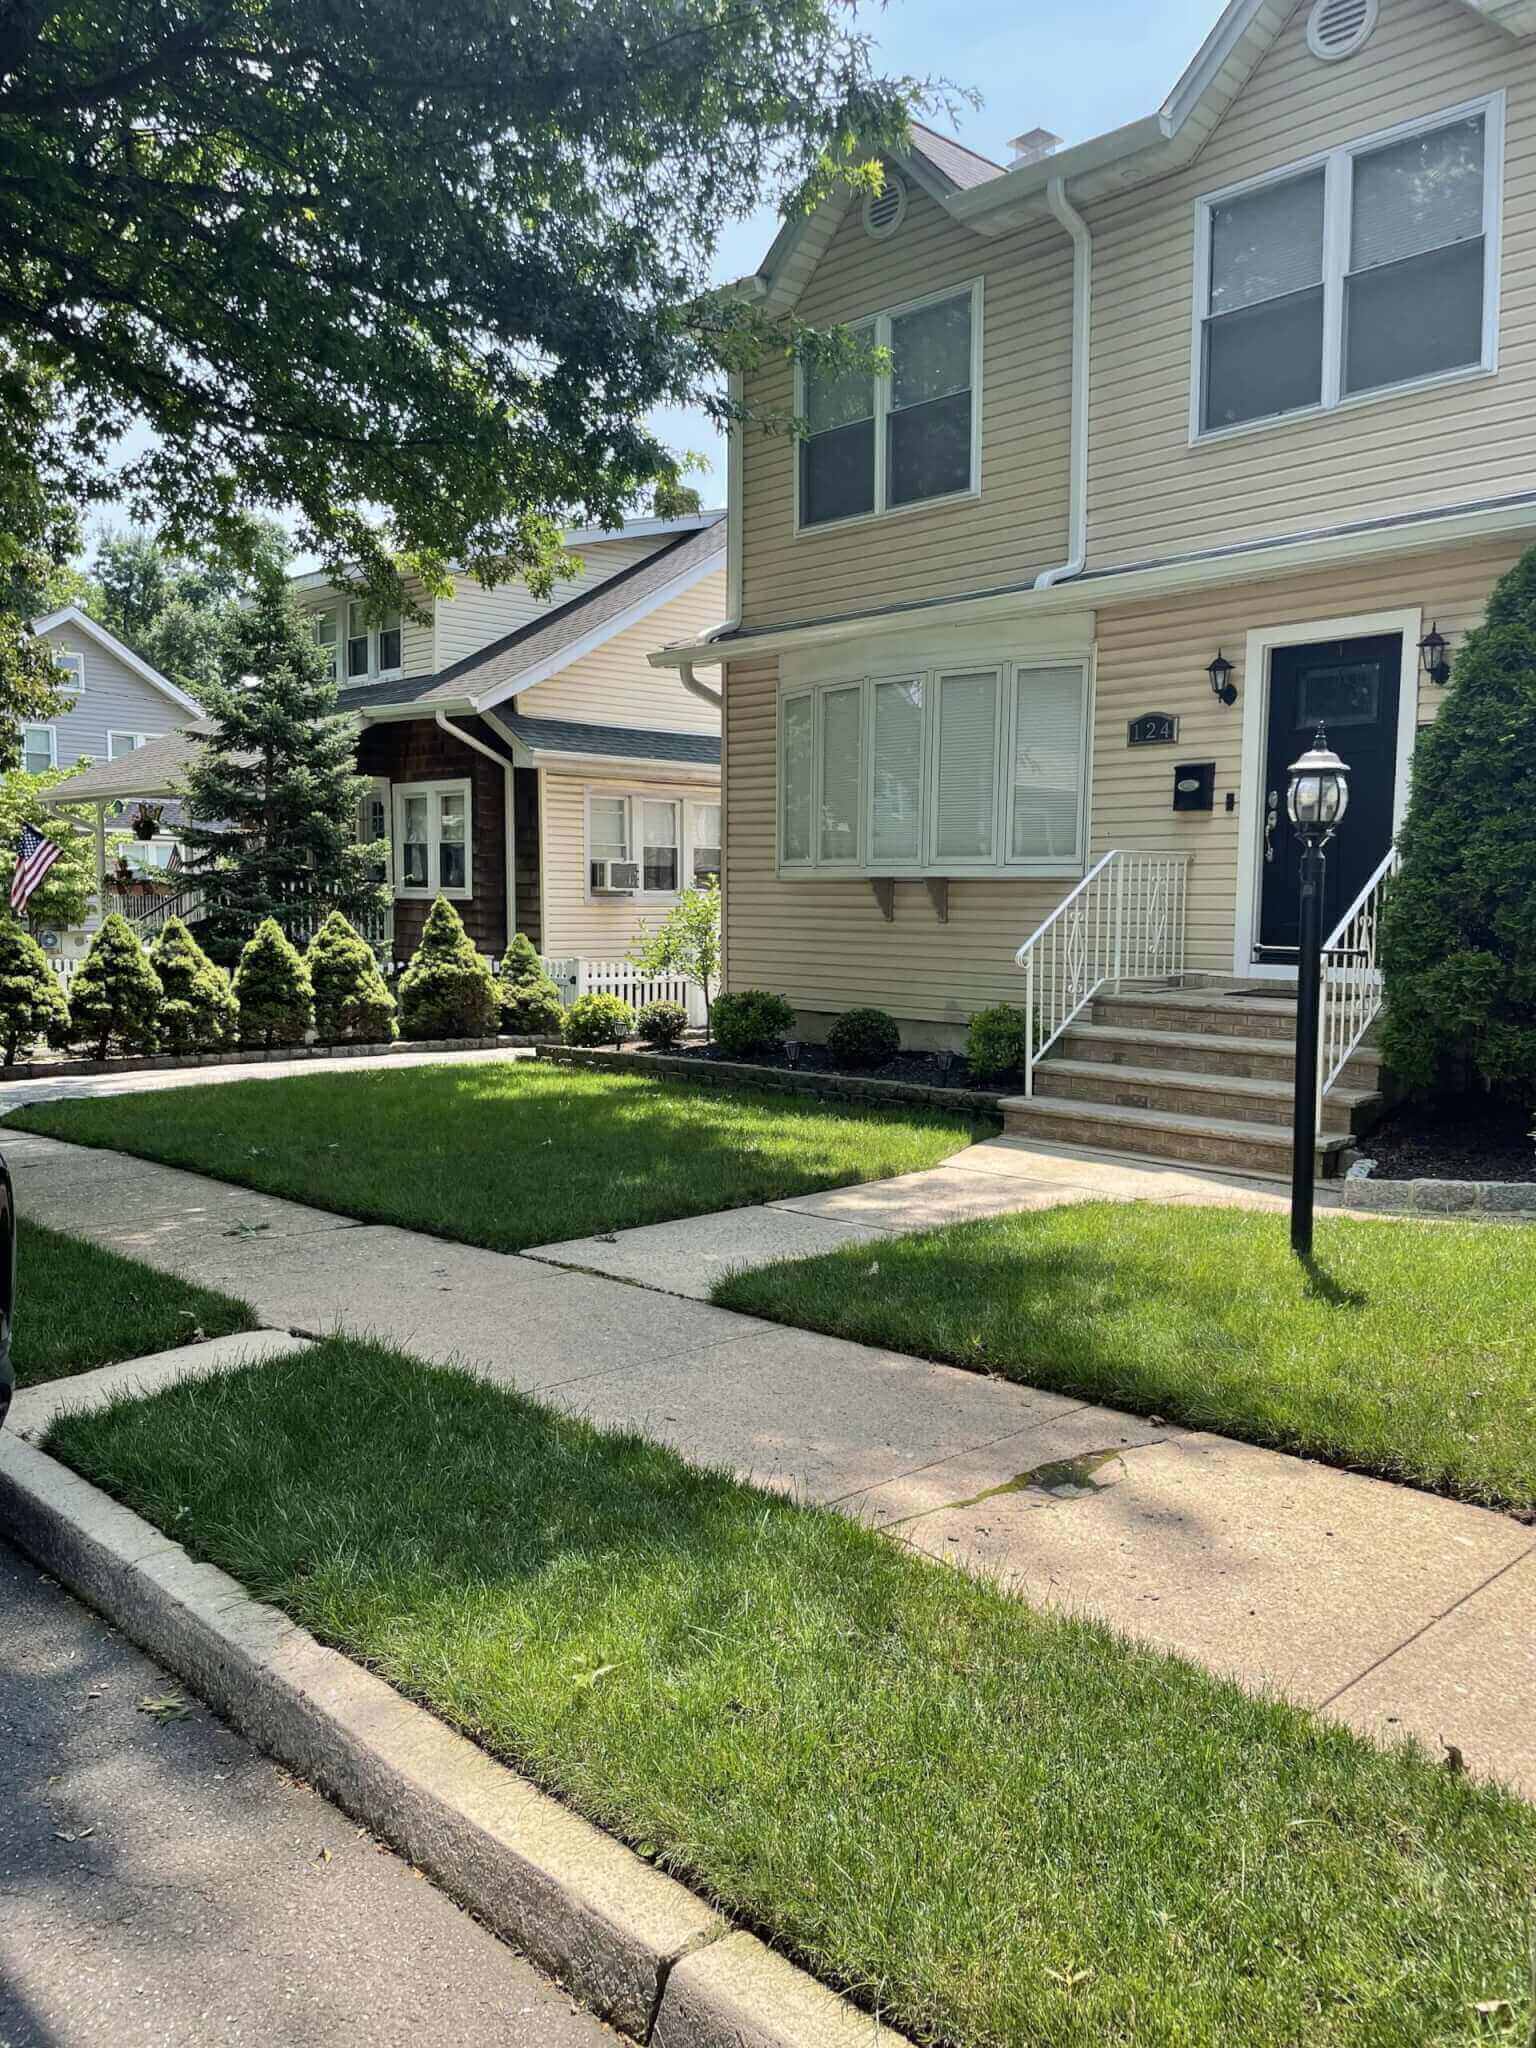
1351 979
1123 922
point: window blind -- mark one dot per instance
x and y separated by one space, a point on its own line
967 766
1047 762
1267 243
1418 195
795 828
897 771
840 720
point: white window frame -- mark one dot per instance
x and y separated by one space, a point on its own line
1338 183
881 324
335 648
372 632
630 794
53 747
693 842
996 658
139 739
432 791
72 661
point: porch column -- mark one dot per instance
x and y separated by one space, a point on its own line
101 858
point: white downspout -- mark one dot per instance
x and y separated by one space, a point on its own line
1082 316
691 682
457 732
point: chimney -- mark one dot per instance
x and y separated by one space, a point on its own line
1030 148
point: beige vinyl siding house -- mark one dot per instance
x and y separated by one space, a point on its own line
1251 379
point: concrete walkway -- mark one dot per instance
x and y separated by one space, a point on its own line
1392 1610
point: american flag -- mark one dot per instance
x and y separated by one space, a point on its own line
173 865
35 855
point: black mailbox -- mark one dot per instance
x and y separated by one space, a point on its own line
1194 786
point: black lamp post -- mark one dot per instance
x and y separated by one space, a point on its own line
1316 802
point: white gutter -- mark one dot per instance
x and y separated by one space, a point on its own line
1082 323
446 724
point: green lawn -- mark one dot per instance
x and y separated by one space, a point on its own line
79 1307
1407 1349
998 1826
507 1153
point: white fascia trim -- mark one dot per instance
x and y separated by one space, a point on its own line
704 774
1129 586
71 615
418 707
645 529
574 650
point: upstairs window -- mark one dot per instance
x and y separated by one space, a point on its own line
120 743
39 749
1372 268
72 661
324 632
878 444
372 649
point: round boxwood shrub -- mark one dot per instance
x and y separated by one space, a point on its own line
114 1000
997 1043
277 1004
32 1004
751 1021
661 1024
447 991
863 1038
198 1012
599 1020
353 1005
530 1001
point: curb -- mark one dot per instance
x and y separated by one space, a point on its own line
632 1943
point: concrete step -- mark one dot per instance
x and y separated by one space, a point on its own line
1259 1149
1202 1052
1234 1098
1218 1015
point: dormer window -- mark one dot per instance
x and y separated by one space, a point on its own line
1361 272
883 444
373 649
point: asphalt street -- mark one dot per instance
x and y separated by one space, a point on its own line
162 1884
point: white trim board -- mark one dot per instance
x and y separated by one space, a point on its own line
1261 642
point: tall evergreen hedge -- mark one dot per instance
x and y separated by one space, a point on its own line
352 1004
530 1001
447 991
32 1004
197 1008
1458 937
277 1005
114 1000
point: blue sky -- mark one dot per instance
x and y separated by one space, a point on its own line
1075 71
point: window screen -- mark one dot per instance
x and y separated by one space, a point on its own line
608 827
1263 338
837 456
1047 763
967 766
897 772
658 846
839 829
928 429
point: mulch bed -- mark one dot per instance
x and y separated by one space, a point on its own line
1465 1138
919 1069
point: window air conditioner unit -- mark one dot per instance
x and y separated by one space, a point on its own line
615 877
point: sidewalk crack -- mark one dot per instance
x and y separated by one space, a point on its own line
1434 1622
705 1938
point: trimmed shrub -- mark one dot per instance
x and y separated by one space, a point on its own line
447 991
863 1038
997 1042
198 1012
530 1001
661 1024
751 1020
352 1004
599 1020
277 1004
1458 930
114 1000
32 1004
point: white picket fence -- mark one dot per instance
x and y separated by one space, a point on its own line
622 978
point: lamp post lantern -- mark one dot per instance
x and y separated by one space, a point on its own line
1316 802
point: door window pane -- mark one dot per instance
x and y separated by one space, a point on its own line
451 842
839 838
658 843
37 749
798 715
837 456
1047 763
1263 339
897 768
608 825
967 767
414 826
928 448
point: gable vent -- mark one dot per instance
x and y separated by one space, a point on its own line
1337 28
885 210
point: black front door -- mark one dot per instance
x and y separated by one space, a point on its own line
1350 687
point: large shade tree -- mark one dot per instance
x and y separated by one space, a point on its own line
353 256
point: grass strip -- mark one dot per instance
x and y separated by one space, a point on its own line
996 1826
78 1307
508 1153
1405 1349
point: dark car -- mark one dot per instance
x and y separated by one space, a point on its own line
7 1284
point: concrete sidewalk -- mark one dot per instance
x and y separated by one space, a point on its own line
1393 1610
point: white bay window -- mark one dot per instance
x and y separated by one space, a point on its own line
432 851
968 768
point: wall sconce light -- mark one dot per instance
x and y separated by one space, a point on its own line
1432 657
1222 686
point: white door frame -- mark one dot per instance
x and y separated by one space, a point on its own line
1262 641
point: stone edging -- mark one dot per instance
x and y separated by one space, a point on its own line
1440 1197
788 1080
62 1070
630 1942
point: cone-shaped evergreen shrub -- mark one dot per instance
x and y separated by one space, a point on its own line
1458 937
32 1004
530 1001
197 1006
114 1000
352 1004
277 1005
447 991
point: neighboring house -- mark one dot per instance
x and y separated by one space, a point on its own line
524 755
1251 381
